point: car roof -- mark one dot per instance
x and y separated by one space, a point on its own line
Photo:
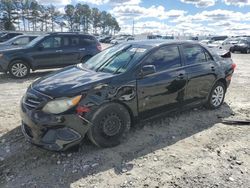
154 43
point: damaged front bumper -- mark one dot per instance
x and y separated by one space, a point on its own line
53 132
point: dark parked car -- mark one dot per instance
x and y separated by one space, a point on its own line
49 51
8 36
106 39
17 41
129 81
242 46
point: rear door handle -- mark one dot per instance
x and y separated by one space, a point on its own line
181 76
82 49
58 51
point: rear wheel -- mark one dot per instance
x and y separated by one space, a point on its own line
217 95
19 69
111 122
248 51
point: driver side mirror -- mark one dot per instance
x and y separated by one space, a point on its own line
148 69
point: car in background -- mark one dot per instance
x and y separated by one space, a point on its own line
122 39
215 44
52 50
17 41
8 36
243 46
105 39
126 82
230 42
205 42
218 38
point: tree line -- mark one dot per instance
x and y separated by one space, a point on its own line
29 15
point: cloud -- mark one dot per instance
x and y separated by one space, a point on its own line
237 2
200 3
112 2
137 12
54 2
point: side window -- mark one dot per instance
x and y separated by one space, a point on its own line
87 40
75 41
66 42
52 42
22 41
165 58
193 54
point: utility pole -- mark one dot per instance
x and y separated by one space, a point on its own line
133 27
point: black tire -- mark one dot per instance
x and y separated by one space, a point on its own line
216 100
111 123
248 51
22 66
85 58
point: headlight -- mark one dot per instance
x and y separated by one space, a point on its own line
61 105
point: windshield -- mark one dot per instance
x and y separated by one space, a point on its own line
115 60
33 42
242 42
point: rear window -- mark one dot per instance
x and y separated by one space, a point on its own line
87 40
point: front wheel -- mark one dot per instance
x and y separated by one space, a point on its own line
110 124
217 95
19 69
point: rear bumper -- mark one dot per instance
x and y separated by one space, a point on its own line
53 132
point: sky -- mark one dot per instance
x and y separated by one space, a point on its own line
178 17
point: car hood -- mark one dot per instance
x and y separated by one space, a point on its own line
69 81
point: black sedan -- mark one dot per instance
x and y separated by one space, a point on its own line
136 80
242 46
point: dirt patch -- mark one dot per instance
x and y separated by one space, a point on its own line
187 149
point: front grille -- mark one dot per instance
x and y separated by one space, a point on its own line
34 100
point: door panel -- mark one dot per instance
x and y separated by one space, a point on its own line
201 71
165 88
72 54
48 53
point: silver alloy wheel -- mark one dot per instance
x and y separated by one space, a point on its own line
19 70
217 96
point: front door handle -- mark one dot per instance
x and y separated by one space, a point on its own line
213 68
82 49
58 51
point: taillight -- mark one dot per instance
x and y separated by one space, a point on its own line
99 46
233 66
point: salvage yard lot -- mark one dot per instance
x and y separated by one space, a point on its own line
187 149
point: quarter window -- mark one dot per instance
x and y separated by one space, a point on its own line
165 58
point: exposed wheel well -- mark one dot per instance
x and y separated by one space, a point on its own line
222 80
132 117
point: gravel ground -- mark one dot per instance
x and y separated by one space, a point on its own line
186 149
